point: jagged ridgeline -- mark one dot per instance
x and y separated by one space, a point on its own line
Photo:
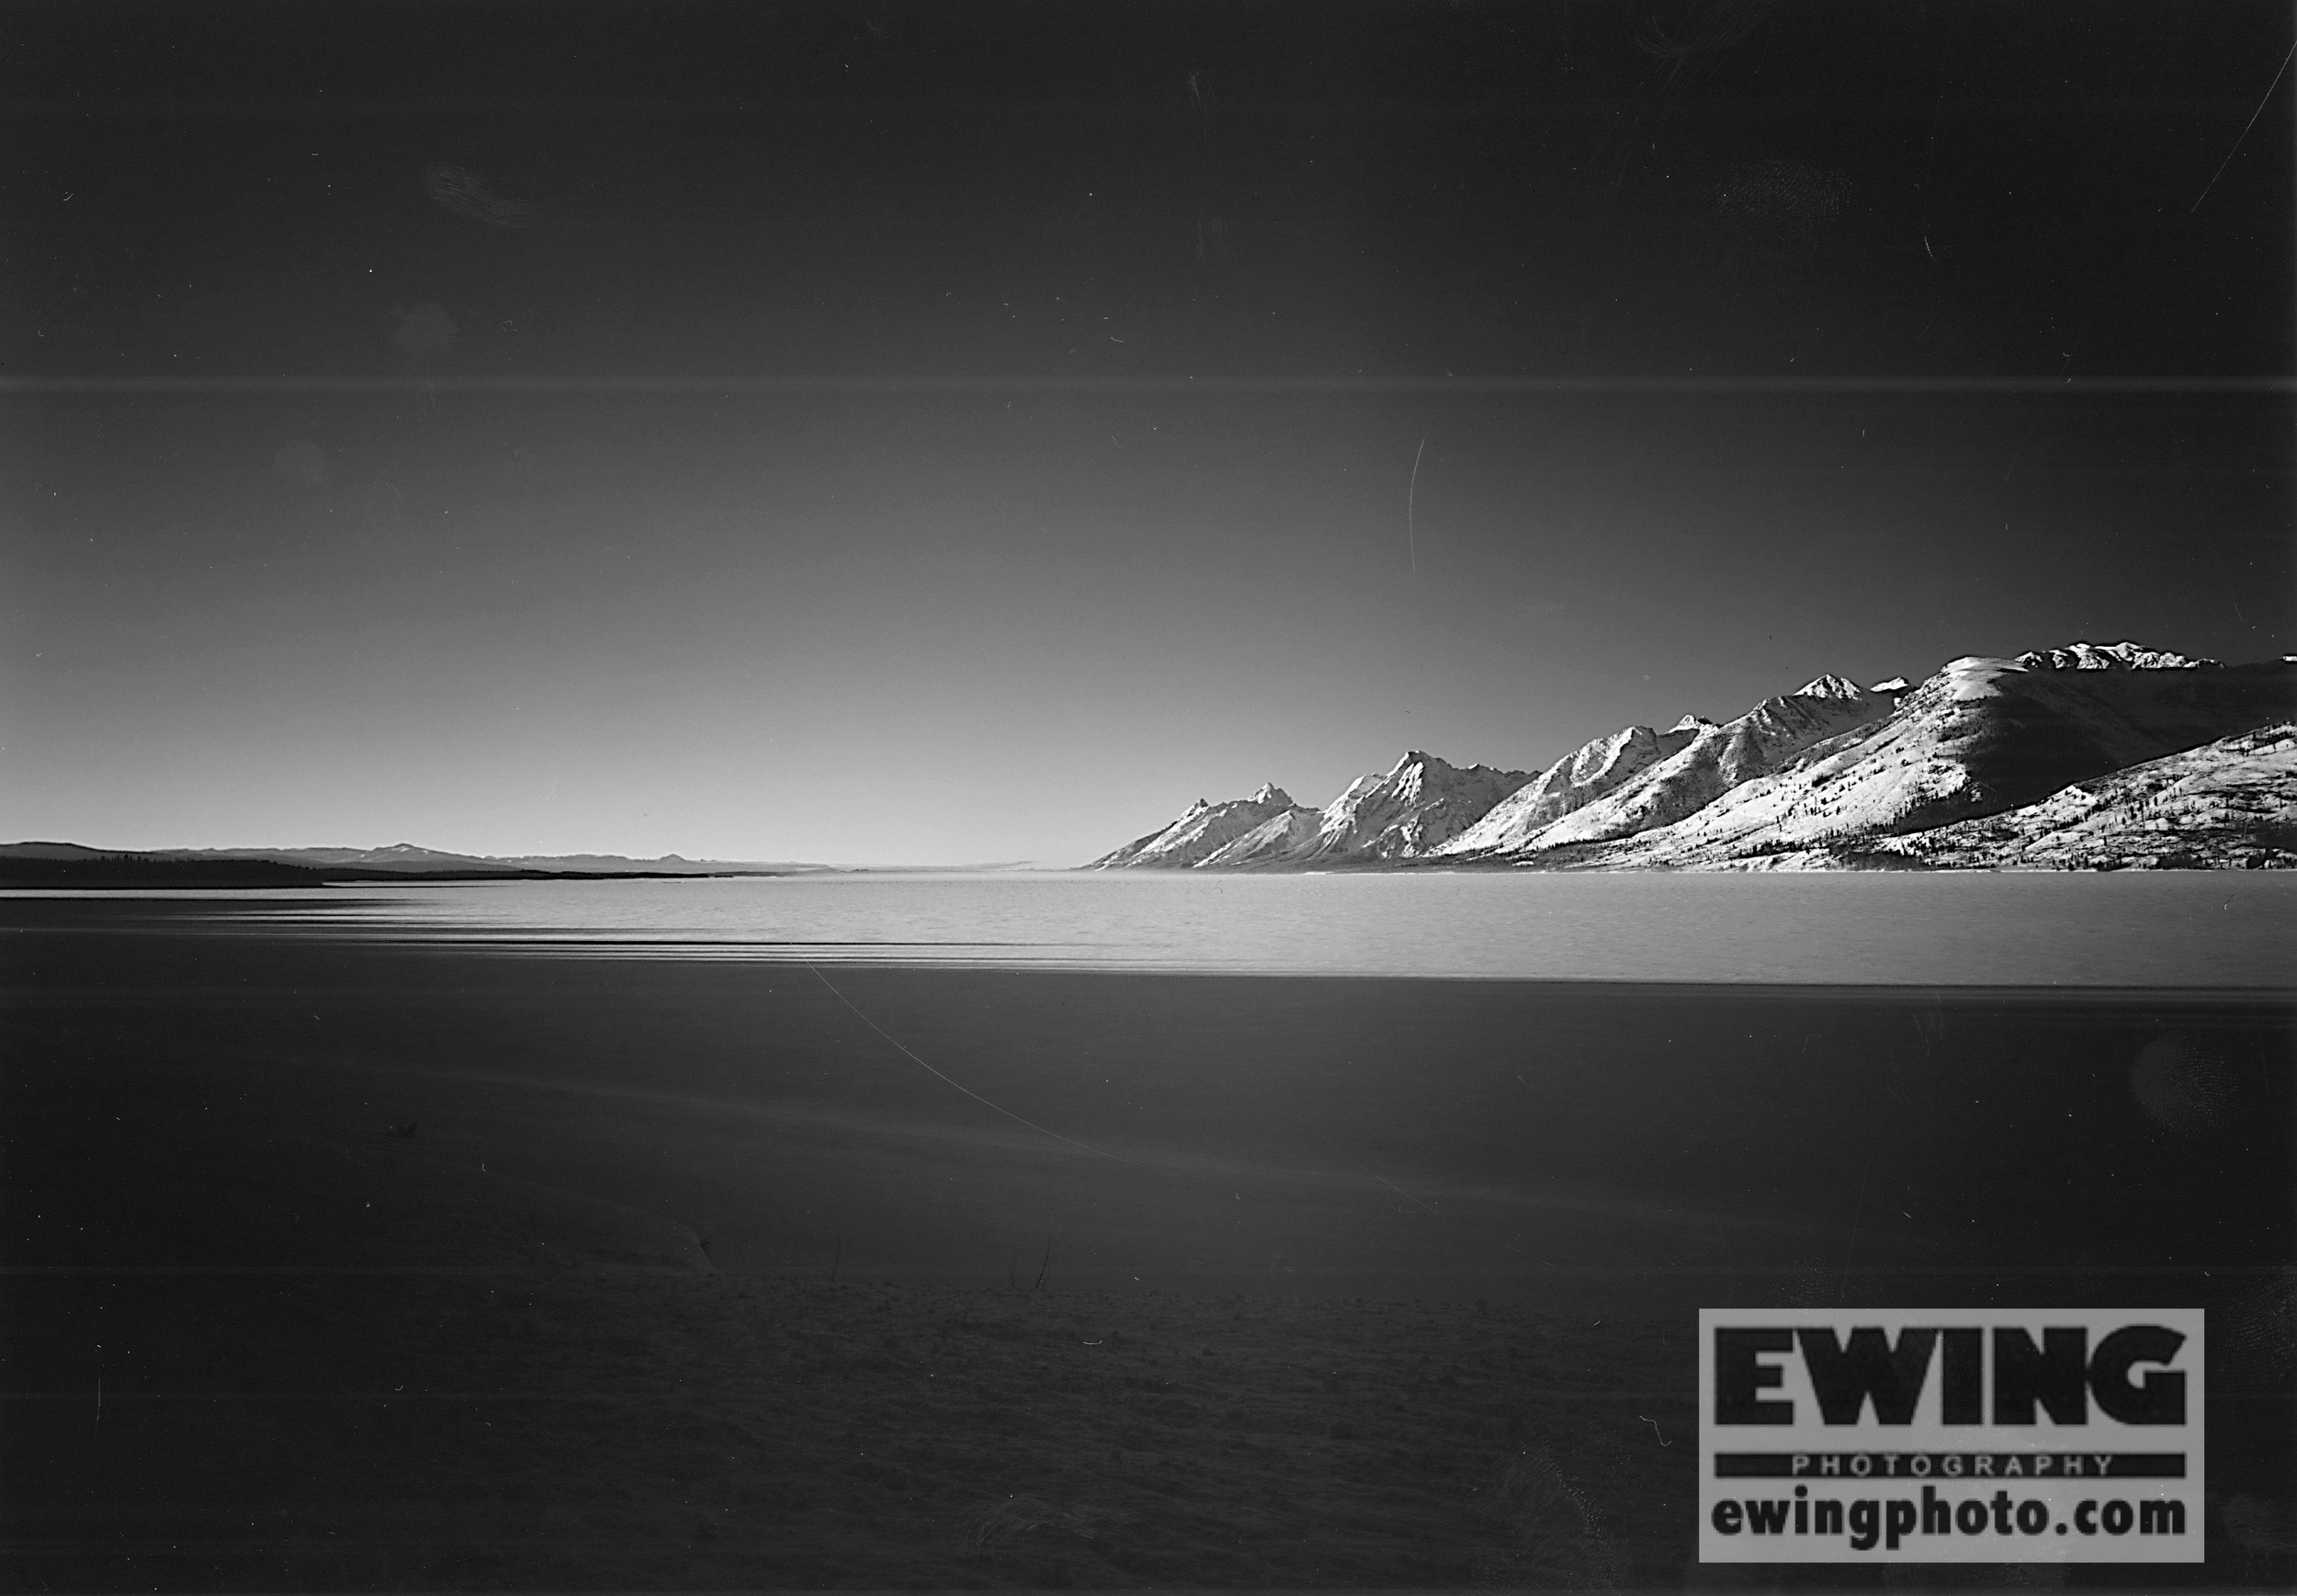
2085 757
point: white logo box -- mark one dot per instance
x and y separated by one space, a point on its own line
1950 1435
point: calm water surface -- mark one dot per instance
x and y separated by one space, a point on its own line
2165 929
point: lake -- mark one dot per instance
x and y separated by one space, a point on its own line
2132 929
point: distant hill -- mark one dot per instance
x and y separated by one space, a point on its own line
69 864
408 857
2085 757
65 865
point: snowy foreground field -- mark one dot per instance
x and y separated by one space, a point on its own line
419 1266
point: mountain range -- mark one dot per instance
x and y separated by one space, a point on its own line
2085 757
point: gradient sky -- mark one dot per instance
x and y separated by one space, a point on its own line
782 605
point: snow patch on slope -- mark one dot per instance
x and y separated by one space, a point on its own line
1203 829
1420 804
1708 762
1571 782
2230 803
1274 841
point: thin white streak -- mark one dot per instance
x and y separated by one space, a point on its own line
39 387
2245 130
937 1075
1411 493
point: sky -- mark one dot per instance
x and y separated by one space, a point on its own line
952 433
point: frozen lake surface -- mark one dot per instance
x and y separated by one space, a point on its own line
2146 930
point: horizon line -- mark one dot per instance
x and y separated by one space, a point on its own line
848 865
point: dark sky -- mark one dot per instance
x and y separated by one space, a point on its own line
1845 337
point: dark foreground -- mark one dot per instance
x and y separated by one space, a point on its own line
417 1270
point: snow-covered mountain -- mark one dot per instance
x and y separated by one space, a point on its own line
2077 757
1593 771
1711 760
1406 812
1980 737
1202 831
2230 803
1420 804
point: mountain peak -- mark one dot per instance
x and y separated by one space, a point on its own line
1203 829
1420 803
1829 686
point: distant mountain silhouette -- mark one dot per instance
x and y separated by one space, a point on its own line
68 865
